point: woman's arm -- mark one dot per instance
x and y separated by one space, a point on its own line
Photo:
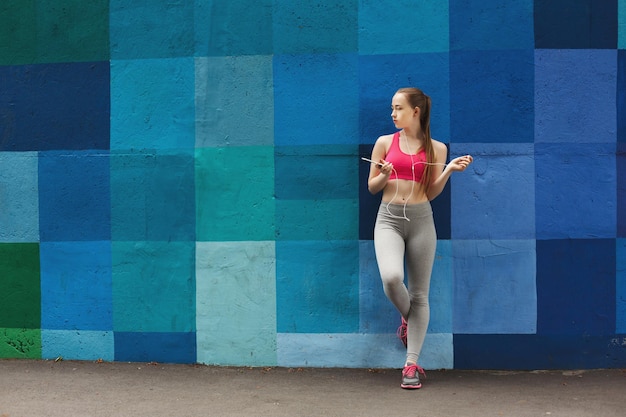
443 174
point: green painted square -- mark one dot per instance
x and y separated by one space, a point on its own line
20 343
235 193
20 298
53 31
153 286
317 219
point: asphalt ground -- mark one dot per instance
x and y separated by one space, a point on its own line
88 389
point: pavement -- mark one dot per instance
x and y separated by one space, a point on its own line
31 388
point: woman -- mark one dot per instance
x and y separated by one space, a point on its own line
410 170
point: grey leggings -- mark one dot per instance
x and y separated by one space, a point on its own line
395 237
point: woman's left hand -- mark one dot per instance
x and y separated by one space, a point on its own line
460 163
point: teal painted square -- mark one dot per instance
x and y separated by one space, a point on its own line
559 117
233 28
234 101
302 172
77 345
316 99
19 217
318 26
495 290
317 286
620 279
236 303
491 25
441 297
495 197
235 193
151 29
621 24
152 196
153 286
76 286
336 219
407 27
152 104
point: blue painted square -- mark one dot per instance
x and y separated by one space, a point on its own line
494 286
77 345
620 278
304 26
576 289
152 196
316 219
76 286
381 26
495 197
575 24
590 211
498 85
316 172
152 104
442 289
154 286
55 106
377 313
234 101
382 75
620 91
621 189
233 28
319 91
491 25
74 196
317 286
155 347
560 115
19 185
151 29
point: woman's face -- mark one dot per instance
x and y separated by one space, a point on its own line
402 113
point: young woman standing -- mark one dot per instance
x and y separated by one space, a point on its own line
410 170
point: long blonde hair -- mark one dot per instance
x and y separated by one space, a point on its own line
417 98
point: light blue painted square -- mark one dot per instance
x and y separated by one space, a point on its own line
441 297
74 196
317 219
575 191
233 27
304 26
407 27
317 286
154 286
495 197
151 29
380 76
153 196
19 217
377 313
234 101
316 99
491 24
152 104
76 286
495 289
236 303
620 278
575 99
77 345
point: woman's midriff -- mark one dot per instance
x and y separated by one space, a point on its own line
404 191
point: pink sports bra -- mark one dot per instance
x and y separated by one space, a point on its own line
402 162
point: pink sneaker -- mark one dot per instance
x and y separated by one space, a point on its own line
402 331
410 376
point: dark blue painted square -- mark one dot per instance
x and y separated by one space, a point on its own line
621 189
492 96
74 196
575 190
576 287
55 106
621 95
575 24
155 347
380 76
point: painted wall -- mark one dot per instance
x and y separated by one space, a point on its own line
181 182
